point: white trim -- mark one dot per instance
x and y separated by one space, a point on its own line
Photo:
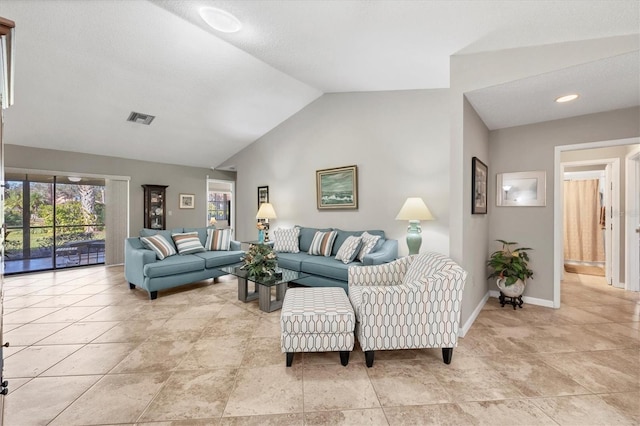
558 265
467 325
526 299
632 220
58 173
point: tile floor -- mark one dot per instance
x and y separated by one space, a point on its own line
85 350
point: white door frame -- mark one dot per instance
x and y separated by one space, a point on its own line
632 178
558 237
611 198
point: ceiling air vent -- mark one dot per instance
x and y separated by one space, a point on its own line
138 117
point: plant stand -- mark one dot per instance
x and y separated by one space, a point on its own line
515 301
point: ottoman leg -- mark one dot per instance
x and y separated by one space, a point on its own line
368 356
289 359
344 358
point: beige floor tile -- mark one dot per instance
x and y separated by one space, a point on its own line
152 311
131 331
262 352
256 388
28 334
208 392
32 361
505 413
70 314
17 383
600 371
154 356
23 301
582 410
92 359
334 387
427 415
26 315
112 313
60 301
373 417
79 332
616 313
40 400
293 419
215 353
234 327
406 383
627 403
180 329
267 327
206 311
119 398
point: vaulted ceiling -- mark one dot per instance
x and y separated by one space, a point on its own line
82 66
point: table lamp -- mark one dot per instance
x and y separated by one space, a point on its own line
266 212
414 210
212 221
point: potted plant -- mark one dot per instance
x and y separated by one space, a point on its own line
510 267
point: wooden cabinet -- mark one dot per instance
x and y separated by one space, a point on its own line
155 206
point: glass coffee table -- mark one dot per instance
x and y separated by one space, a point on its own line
262 286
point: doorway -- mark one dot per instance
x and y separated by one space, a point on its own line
618 218
220 203
632 235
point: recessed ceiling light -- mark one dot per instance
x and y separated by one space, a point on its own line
220 20
567 98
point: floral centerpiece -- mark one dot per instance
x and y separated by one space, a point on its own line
260 261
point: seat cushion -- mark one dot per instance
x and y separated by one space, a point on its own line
327 267
316 310
216 259
174 265
292 261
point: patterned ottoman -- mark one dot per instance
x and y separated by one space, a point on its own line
317 319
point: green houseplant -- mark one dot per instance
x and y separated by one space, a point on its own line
510 266
260 260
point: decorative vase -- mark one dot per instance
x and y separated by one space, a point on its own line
261 236
514 290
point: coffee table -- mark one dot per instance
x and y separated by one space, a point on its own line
262 286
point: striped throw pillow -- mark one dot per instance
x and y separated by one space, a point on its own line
160 245
187 243
218 239
286 240
322 243
349 249
368 243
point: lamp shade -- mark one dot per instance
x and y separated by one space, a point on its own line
212 221
266 211
414 209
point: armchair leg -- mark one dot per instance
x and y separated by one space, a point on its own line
132 286
344 358
368 356
289 359
447 353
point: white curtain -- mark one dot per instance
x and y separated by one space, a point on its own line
116 220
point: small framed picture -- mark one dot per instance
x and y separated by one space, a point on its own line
263 195
187 201
478 187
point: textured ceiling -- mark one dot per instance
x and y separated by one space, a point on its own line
82 66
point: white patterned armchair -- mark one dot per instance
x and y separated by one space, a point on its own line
411 303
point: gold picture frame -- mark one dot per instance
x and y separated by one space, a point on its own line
337 188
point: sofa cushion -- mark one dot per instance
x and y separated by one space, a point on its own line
368 243
322 243
342 237
218 239
187 243
286 240
215 259
202 233
306 236
292 261
160 245
349 250
326 267
174 265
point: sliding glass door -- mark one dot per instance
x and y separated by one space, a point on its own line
53 222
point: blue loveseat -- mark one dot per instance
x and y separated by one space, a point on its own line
327 271
144 270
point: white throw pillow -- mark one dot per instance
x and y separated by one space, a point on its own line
368 243
286 240
349 249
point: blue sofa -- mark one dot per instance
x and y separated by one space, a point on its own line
144 270
327 271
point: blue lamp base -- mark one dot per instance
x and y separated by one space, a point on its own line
414 239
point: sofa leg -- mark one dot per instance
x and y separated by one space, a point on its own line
153 295
132 286
289 359
344 358
447 353
368 356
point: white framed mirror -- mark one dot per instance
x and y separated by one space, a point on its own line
520 189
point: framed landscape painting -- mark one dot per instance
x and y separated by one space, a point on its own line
478 187
337 188
187 201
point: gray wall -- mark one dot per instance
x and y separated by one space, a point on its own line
398 140
531 147
181 179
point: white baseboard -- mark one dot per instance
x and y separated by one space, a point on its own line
526 299
467 325
620 285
